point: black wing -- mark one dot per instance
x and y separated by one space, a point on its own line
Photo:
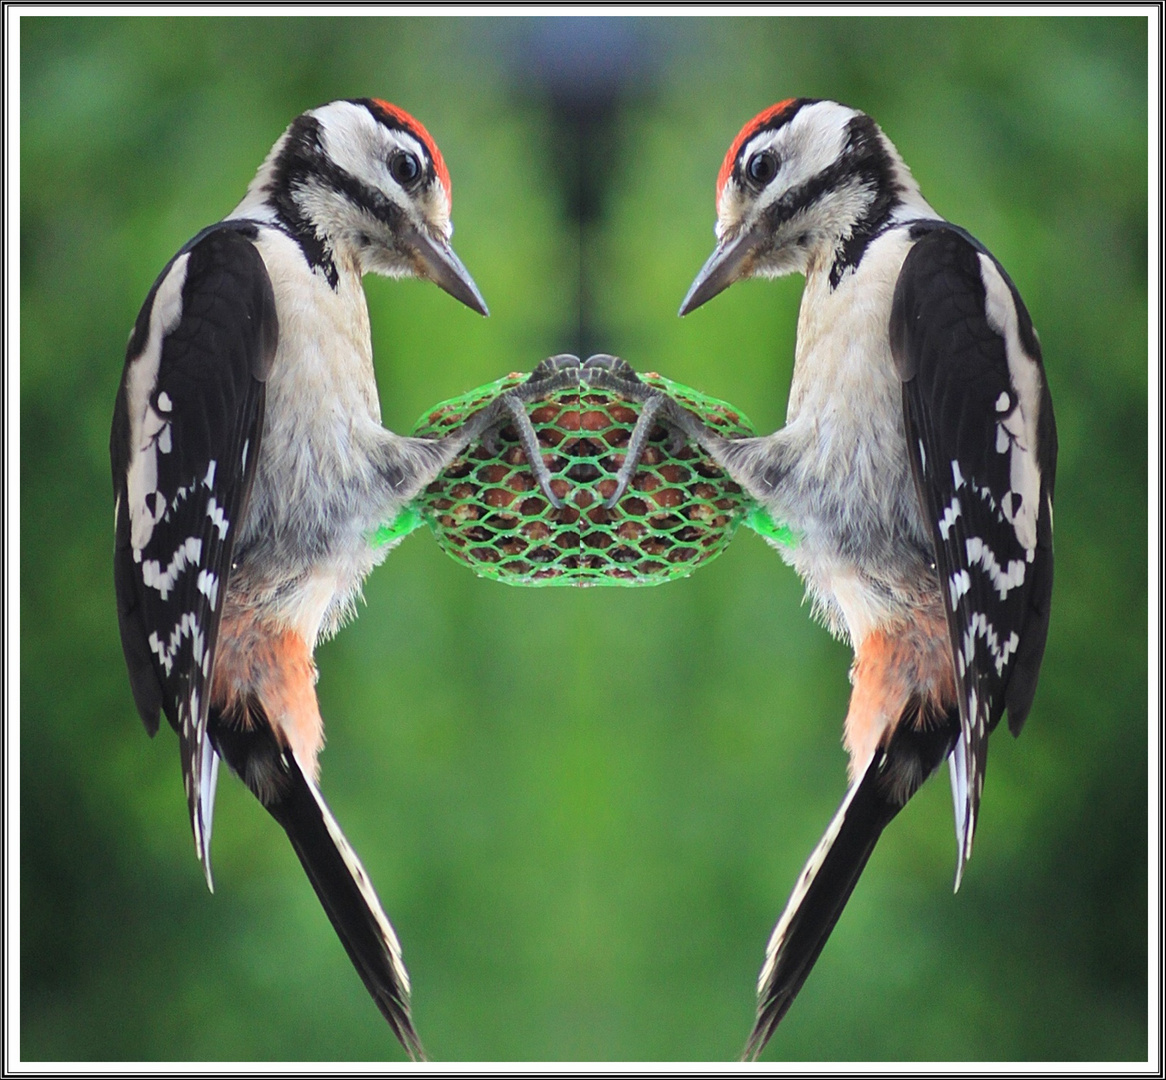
983 447
185 440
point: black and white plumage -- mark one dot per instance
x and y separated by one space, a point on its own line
915 469
251 469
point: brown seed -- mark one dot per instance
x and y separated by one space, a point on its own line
593 420
623 414
492 474
544 414
596 540
499 497
536 530
668 497
674 474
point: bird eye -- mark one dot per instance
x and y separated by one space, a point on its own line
762 167
404 167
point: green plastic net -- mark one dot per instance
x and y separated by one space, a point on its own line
487 510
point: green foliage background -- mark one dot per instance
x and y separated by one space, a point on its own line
583 810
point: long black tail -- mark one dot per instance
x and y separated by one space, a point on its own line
824 886
332 866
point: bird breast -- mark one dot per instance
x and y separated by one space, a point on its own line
850 494
317 492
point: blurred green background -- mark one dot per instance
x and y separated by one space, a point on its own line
584 810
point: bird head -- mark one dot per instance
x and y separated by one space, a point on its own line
361 183
800 180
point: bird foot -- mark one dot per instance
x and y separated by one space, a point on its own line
605 372
553 374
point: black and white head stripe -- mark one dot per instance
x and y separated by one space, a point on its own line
806 176
802 153
381 162
184 444
983 445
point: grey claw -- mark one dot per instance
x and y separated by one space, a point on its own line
654 404
515 406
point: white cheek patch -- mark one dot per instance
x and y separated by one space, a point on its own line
150 427
1017 430
810 143
352 138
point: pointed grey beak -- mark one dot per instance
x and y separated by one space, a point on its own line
732 260
435 261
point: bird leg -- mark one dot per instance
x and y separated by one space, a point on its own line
553 374
606 372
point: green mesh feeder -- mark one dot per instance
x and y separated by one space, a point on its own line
489 511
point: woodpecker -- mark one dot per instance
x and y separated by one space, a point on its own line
250 468
915 470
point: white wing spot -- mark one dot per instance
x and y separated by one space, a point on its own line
1004 580
1021 424
1004 403
163 580
208 585
187 627
209 479
960 584
146 425
164 402
957 477
949 516
218 518
979 627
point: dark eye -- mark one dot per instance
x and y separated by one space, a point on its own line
762 167
404 167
